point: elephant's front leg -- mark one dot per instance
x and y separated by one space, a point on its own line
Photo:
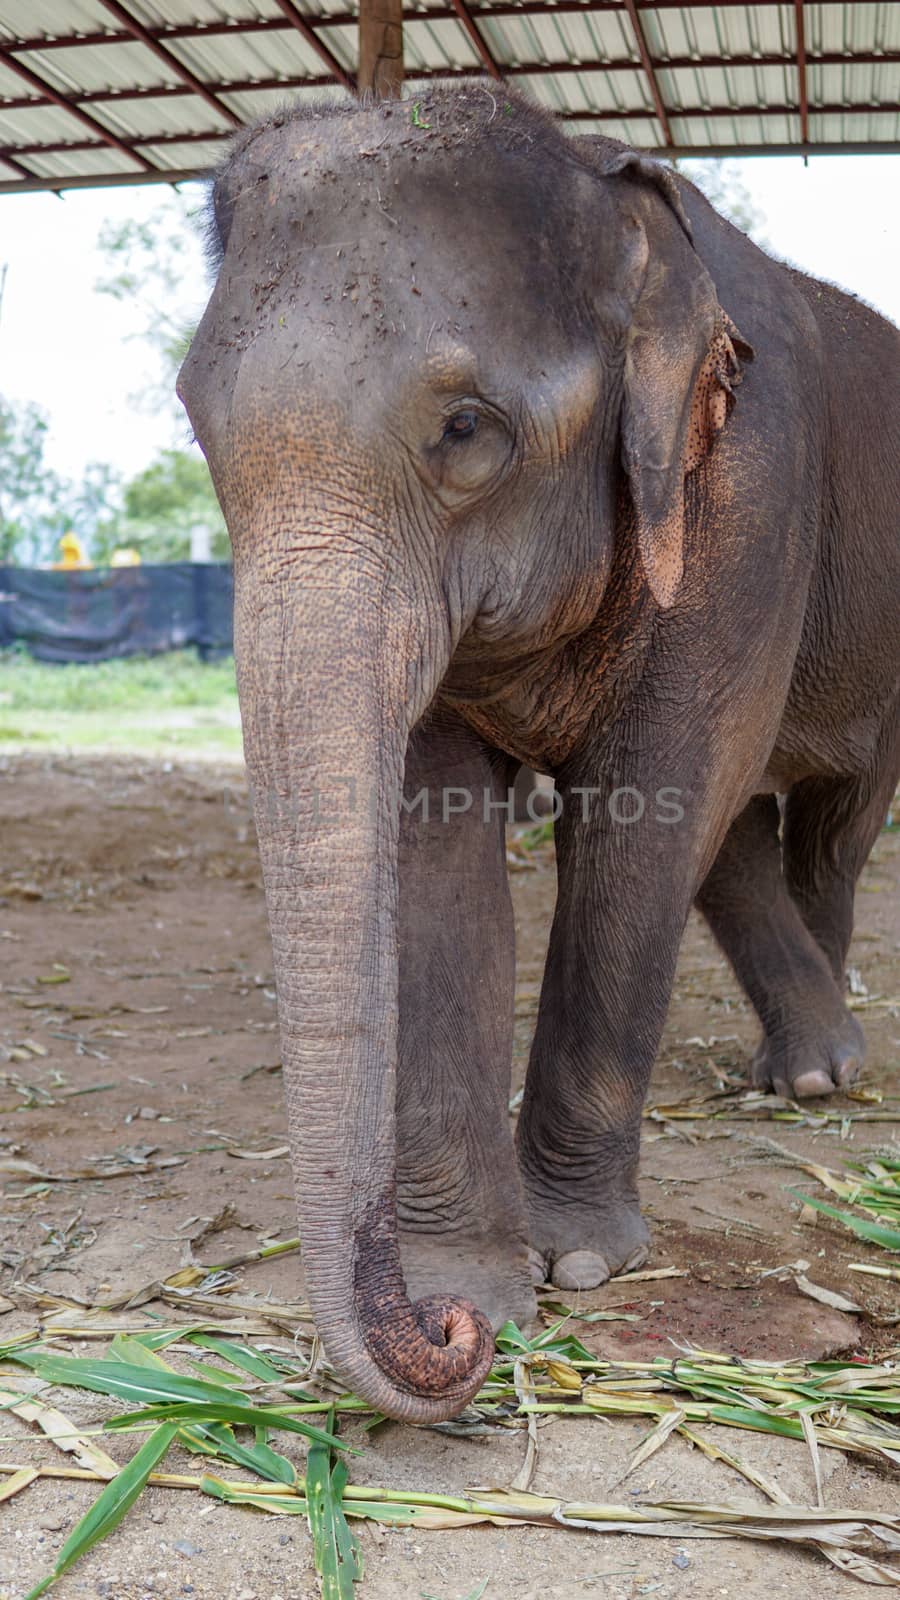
459 1195
625 889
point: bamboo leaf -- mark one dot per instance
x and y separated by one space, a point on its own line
240 1355
148 1385
222 1410
58 1427
875 1232
655 1439
17 1480
213 1438
111 1505
336 1551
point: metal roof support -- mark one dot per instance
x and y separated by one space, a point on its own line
16 166
647 65
47 92
315 43
239 25
114 180
380 69
477 38
801 71
154 91
10 153
138 31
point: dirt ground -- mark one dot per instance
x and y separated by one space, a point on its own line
139 1064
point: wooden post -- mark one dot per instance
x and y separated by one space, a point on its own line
381 48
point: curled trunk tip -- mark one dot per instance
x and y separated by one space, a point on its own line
439 1348
436 1349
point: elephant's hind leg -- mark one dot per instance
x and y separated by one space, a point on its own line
459 1197
830 825
811 1044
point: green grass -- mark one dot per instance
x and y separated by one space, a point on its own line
157 705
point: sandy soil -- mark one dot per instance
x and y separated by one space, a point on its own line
137 1023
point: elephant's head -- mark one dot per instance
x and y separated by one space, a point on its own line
438 332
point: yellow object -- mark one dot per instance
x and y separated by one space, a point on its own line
72 554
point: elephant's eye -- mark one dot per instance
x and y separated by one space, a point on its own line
461 425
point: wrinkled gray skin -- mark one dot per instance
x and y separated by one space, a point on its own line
465 389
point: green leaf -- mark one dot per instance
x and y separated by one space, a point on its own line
240 1355
213 1438
510 1340
887 1238
336 1551
149 1385
111 1505
223 1410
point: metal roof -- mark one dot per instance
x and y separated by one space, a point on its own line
98 92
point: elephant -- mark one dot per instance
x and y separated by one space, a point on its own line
529 457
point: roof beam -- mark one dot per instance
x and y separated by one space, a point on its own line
476 38
199 30
16 166
801 71
647 64
608 114
309 34
521 70
117 180
143 35
47 92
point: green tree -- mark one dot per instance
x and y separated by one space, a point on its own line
32 497
160 506
145 266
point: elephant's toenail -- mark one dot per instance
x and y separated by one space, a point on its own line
812 1083
848 1071
580 1269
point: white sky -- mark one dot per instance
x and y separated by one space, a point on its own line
67 347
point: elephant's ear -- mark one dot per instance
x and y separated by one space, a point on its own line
681 369
680 373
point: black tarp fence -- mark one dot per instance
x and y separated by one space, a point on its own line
107 612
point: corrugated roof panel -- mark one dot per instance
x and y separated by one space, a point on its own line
236 57
251 104
852 26
878 127
751 130
727 86
854 84
88 67
23 19
92 163
587 91
549 38
39 124
719 30
642 135
429 43
557 58
139 119
12 87
152 13
175 157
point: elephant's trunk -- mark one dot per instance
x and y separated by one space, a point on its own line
327 703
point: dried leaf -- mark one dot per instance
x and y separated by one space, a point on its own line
259 1155
826 1297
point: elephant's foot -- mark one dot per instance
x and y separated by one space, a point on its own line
579 1248
490 1270
816 1059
